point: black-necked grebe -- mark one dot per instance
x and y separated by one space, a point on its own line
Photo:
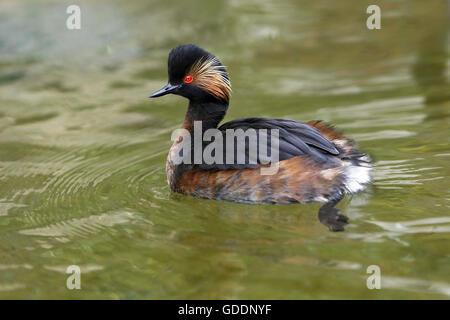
316 162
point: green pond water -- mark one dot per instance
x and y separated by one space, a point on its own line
83 150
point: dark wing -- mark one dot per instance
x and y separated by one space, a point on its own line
295 139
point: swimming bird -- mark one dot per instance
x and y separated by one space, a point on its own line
315 161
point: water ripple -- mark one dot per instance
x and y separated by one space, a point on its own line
82 227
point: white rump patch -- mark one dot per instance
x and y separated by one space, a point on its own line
356 176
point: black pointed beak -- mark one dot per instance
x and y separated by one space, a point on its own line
169 88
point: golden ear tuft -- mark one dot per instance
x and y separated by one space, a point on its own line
210 75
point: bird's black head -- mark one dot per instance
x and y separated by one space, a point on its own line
196 74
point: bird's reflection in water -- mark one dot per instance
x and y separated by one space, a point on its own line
331 217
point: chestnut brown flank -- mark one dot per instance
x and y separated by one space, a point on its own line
342 143
327 130
298 179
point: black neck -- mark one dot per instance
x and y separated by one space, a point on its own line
210 113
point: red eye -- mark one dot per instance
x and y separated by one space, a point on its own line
188 79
